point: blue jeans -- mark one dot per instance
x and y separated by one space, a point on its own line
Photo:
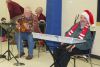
19 37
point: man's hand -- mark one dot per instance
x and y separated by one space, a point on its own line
71 48
17 25
68 47
26 26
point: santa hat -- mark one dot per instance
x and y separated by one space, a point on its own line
89 16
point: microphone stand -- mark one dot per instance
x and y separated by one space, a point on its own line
8 50
76 18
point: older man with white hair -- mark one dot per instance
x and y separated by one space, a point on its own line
24 28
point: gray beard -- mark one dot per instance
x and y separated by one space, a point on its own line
82 25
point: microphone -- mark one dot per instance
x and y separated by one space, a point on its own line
77 16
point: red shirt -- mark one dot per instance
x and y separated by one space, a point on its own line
42 17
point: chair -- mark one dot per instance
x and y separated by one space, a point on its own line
42 27
88 55
81 56
37 45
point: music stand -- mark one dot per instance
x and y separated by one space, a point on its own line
9 29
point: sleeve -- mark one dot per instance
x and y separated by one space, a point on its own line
68 30
35 24
89 39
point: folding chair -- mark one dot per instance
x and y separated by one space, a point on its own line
88 54
42 26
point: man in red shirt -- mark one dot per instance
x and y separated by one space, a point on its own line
41 21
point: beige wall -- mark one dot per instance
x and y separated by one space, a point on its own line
33 4
73 7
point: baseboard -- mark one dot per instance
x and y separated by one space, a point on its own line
95 56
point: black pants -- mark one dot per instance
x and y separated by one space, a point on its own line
63 56
42 27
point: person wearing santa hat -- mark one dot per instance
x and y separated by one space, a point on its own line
80 30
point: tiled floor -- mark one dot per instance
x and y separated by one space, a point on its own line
45 59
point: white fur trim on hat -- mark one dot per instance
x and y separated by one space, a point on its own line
86 16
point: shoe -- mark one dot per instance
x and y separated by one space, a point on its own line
26 45
29 57
19 56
